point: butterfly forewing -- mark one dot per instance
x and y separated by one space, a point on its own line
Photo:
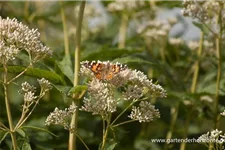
104 71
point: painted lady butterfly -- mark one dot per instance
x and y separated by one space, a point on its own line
104 70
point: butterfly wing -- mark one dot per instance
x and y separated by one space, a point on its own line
97 69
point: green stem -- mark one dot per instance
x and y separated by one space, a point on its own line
123 30
174 114
219 69
66 40
193 88
197 65
82 141
211 146
122 113
8 110
26 9
186 125
21 73
73 124
24 117
4 127
162 53
122 123
105 132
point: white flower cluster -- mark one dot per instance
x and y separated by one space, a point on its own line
194 45
121 5
7 52
101 98
61 117
155 29
176 41
29 97
45 85
223 113
139 81
29 91
202 10
26 87
15 36
214 136
146 112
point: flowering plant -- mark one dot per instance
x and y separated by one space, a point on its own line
105 79
14 38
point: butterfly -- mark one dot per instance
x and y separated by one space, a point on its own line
104 70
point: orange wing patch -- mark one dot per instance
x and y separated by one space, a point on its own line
104 71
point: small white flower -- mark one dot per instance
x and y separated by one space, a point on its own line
16 37
45 84
26 87
202 10
176 41
29 97
61 117
146 112
118 6
223 113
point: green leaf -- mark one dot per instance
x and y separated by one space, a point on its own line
26 146
130 59
36 72
3 134
21 132
66 67
110 53
23 144
41 129
62 88
202 27
111 146
78 91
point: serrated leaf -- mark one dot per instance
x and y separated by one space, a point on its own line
36 72
66 67
41 129
3 134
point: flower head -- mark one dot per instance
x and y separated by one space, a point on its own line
155 29
101 99
61 117
119 6
29 96
16 37
45 85
146 112
202 10
26 87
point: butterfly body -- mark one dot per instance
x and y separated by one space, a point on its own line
104 70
